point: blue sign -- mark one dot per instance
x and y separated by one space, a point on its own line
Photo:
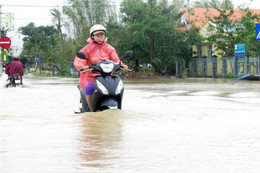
257 31
36 59
240 50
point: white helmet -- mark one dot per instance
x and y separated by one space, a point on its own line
95 28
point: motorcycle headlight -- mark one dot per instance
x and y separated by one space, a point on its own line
107 68
102 88
120 86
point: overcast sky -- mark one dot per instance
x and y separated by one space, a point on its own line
38 12
25 11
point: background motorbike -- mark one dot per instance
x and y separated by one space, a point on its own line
15 80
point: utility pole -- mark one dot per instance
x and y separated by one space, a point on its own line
188 14
1 67
0 22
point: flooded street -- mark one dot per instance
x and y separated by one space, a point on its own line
169 125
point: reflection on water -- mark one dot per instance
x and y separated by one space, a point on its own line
101 134
167 125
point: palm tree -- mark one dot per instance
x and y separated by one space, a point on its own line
56 14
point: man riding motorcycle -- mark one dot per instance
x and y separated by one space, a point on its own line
14 68
97 50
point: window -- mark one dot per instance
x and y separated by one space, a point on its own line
199 52
207 31
210 51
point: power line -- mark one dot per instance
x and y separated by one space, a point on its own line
46 6
51 6
33 18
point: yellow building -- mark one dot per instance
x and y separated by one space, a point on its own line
199 18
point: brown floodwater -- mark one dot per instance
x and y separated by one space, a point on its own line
166 125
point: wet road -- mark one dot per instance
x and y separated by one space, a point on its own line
193 125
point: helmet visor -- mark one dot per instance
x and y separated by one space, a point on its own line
99 32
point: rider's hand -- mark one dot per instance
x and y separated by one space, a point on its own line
125 67
86 67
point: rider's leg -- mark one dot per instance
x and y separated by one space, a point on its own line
9 77
90 88
89 101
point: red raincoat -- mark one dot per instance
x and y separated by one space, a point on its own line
13 67
95 52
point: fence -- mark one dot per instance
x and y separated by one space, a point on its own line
225 66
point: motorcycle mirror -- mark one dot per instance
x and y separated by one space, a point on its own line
128 54
82 55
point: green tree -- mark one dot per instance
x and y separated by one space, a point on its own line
82 14
148 28
228 32
151 27
246 33
37 42
225 4
133 13
224 32
57 20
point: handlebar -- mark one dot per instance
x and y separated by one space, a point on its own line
91 69
83 71
127 70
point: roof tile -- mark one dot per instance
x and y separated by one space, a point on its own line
200 16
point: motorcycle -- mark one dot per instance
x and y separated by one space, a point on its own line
15 80
109 88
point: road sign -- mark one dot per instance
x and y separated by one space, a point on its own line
240 50
257 31
5 42
36 59
7 23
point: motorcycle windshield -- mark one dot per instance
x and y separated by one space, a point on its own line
109 82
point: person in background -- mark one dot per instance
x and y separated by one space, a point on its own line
14 67
97 50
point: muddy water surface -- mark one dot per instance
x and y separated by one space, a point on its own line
193 125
